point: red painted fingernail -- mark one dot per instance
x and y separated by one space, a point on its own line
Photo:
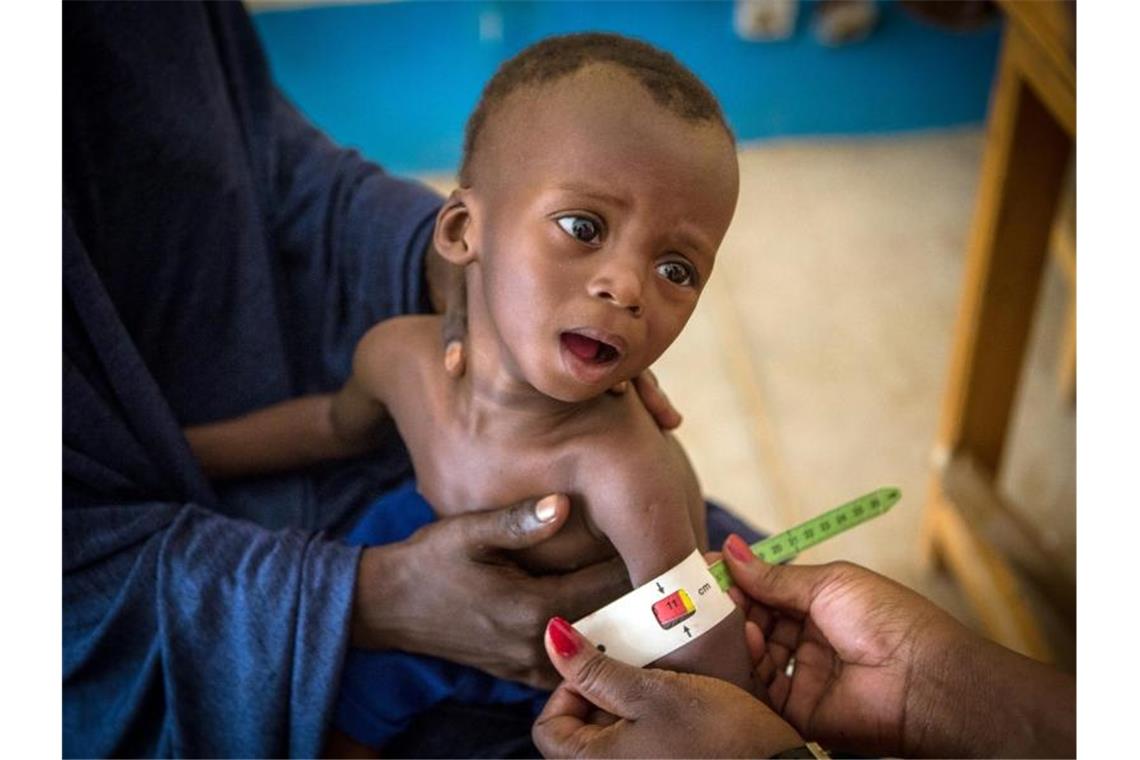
563 637
738 549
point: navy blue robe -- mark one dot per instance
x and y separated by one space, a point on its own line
219 254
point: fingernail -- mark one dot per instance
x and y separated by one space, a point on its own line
563 637
738 549
452 356
546 508
621 387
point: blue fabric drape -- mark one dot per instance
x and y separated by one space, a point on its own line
219 254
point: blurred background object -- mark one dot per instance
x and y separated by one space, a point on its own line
365 72
817 363
962 15
761 20
842 22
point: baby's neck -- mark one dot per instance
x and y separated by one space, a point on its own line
495 398
496 402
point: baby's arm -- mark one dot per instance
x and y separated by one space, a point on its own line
652 511
304 431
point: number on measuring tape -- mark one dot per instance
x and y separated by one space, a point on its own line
673 609
784 546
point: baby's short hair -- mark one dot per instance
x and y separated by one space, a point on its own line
670 83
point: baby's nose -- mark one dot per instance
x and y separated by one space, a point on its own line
621 286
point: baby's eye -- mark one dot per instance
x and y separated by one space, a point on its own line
581 228
678 273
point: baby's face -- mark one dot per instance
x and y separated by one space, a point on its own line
596 215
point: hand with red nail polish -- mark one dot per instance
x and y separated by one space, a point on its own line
606 708
879 670
563 638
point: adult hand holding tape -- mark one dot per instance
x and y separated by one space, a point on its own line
606 708
878 670
686 601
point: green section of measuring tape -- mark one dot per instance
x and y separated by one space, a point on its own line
783 546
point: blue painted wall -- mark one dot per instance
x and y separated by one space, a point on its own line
397 80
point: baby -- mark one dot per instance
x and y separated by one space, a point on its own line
597 182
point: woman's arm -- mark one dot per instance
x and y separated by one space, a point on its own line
882 671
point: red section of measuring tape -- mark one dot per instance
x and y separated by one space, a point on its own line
673 609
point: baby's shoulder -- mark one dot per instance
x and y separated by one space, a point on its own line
399 340
411 332
630 451
400 353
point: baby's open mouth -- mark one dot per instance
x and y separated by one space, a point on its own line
589 349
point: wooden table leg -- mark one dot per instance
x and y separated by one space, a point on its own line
1063 243
1023 167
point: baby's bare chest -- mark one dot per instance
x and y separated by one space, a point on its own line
458 474
460 470
466 472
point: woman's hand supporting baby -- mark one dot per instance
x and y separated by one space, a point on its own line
452 591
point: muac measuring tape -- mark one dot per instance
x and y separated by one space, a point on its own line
688 600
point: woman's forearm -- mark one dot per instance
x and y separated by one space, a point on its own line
983 700
1036 706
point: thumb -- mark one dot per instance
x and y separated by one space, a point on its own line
511 528
613 686
454 362
788 588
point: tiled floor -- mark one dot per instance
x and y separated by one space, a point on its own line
813 368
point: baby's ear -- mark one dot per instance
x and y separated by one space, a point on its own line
452 228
